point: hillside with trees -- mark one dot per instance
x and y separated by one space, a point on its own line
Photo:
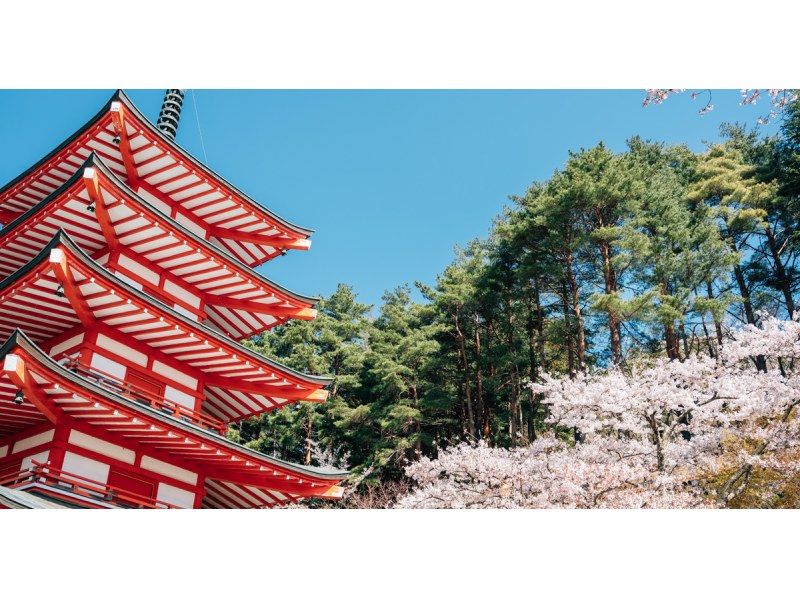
647 294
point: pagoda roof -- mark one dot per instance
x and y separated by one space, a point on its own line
19 499
64 397
151 161
238 301
62 291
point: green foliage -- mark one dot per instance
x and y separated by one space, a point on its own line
614 259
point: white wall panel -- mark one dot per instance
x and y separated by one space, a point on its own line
101 446
121 350
175 496
180 397
175 375
85 467
67 344
108 366
169 470
31 441
181 293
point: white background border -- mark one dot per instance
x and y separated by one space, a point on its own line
410 44
414 43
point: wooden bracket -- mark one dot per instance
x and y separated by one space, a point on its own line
58 264
93 187
118 120
14 367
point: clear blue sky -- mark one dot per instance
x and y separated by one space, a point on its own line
391 180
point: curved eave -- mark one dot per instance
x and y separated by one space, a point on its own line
62 238
20 340
104 111
94 161
120 96
19 499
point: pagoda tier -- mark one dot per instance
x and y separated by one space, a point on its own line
134 239
167 176
84 444
76 309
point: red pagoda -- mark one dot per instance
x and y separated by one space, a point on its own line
126 281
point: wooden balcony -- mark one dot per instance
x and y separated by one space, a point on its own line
146 397
75 489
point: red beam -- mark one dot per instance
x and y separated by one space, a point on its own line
14 367
103 219
58 263
276 242
266 389
299 313
118 120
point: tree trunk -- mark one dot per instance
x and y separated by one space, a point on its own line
535 326
576 310
711 347
416 425
514 397
686 348
671 341
568 328
462 351
539 325
610 284
744 292
749 314
482 424
487 416
783 282
717 322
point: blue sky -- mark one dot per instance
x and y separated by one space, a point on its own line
391 180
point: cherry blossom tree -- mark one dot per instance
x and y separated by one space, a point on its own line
550 473
664 433
779 99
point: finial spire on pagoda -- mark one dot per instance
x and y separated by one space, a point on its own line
170 113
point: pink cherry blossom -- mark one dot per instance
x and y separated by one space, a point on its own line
779 99
661 433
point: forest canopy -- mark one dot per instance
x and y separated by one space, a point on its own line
618 259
